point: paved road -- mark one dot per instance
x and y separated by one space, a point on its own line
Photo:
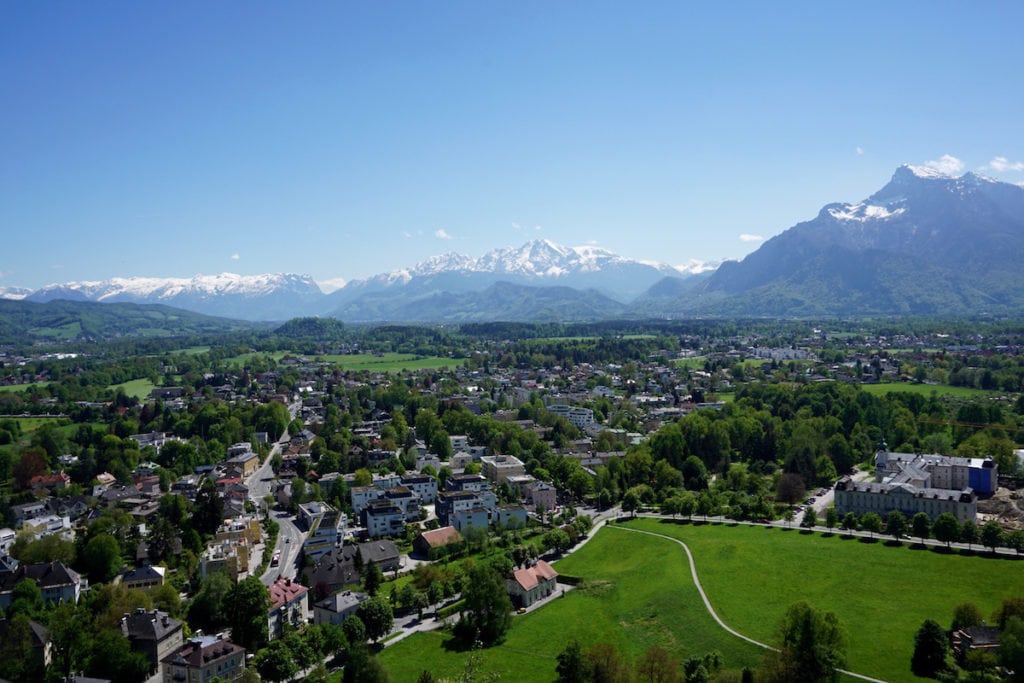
289 537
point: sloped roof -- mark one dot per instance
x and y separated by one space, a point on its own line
143 625
284 592
441 537
530 577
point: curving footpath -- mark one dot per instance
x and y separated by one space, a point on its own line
711 611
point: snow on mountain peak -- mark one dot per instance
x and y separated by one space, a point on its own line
862 212
169 287
925 171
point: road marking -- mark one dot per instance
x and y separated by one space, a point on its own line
711 610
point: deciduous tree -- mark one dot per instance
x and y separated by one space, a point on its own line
811 647
246 606
377 616
929 650
488 611
946 528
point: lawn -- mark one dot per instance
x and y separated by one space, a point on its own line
881 594
20 387
637 592
391 362
139 388
926 390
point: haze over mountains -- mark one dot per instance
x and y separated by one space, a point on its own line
925 243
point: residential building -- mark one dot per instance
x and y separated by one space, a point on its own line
335 569
429 544
40 639
234 557
144 578
384 518
383 553
289 604
406 500
7 538
540 494
423 485
361 496
530 584
50 482
240 528
154 634
246 463
498 468
57 582
202 658
475 516
338 607
581 418
327 528
510 516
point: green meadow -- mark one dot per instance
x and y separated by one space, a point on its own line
637 592
139 388
880 593
391 362
926 390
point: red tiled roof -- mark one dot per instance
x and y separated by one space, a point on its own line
284 592
529 577
442 536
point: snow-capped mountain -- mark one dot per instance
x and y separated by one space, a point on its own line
251 297
536 263
560 278
926 243
14 293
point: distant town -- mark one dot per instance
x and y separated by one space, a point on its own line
314 501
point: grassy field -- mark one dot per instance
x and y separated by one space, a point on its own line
391 362
31 424
638 592
694 363
241 359
139 388
926 390
881 594
20 387
192 350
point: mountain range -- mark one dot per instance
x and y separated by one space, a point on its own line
924 244
579 282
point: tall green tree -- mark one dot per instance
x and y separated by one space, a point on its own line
207 610
896 524
18 663
921 526
991 535
812 647
871 523
246 605
488 609
275 662
946 528
969 533
571 667
1011 647
657 665
930 646
102 558
373 577
70 627
377 617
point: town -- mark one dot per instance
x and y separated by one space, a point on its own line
299 504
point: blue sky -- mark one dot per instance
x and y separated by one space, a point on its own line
343 139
